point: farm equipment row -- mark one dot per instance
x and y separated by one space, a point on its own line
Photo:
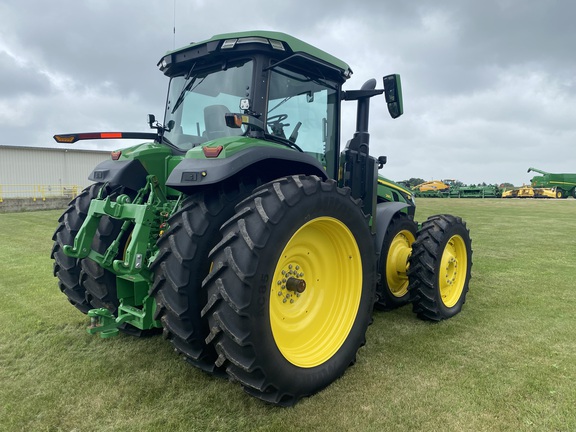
547 185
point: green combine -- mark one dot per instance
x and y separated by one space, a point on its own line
564 184
244 232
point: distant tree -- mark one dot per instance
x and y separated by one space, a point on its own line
412 182
506 185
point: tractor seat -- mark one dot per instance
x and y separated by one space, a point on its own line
215 123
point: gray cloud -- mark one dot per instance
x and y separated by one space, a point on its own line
489 86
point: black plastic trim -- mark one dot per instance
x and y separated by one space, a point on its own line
191 173
128 173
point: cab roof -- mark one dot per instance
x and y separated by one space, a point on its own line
281 42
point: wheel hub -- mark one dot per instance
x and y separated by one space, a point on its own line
296 285
291 285
451 270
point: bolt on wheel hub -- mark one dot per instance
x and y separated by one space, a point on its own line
291 285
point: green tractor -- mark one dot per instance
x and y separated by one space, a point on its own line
241 229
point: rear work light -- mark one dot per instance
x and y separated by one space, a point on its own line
231 43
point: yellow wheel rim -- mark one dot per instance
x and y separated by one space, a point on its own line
397 263
453 268
322 260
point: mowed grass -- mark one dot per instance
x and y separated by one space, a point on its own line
507 362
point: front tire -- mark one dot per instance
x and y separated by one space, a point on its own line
292 290
392 290
440 268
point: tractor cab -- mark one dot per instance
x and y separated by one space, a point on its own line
269 103
285 92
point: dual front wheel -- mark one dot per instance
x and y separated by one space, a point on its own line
429 268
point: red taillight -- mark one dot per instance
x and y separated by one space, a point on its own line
116 154
109 135
212 152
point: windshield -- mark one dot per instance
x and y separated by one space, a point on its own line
304 110
197 104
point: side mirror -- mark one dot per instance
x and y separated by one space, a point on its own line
382 161
393 94
151 120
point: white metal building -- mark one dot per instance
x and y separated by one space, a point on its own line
27 166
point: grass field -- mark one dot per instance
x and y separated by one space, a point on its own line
506 363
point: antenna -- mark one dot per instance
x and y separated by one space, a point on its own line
174 28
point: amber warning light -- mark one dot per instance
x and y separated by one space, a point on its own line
233 120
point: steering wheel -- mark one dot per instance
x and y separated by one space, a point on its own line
276 125
276 119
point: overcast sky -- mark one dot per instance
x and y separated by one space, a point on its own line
489 86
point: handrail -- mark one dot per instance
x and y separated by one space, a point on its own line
37 191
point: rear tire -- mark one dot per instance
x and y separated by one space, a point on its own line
280 345
67 269
182 264
440 268
392 290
